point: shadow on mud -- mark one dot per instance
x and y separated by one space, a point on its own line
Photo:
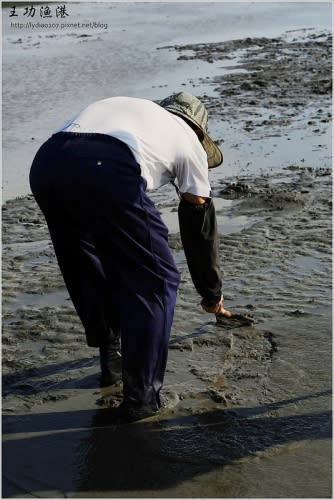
85 451
37 380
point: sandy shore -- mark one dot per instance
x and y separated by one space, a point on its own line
254 413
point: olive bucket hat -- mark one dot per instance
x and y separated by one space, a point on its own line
192 109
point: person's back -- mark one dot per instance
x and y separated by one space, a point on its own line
163 144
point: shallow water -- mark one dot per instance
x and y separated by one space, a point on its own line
43 69
254 417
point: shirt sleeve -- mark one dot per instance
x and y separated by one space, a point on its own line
198 228
192 170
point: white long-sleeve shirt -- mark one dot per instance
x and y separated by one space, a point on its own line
163 144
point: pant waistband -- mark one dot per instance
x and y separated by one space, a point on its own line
95 135
117 144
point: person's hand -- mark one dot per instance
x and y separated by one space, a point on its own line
217 309
213 308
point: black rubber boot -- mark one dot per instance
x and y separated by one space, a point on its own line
111 361
131 411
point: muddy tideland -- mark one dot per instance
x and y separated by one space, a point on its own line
253 417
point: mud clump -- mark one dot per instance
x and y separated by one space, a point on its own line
280 74
278 200
236 190
265 195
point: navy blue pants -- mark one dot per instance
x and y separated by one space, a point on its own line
112 248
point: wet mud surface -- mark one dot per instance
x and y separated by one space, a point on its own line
278 75
254 400
248 395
